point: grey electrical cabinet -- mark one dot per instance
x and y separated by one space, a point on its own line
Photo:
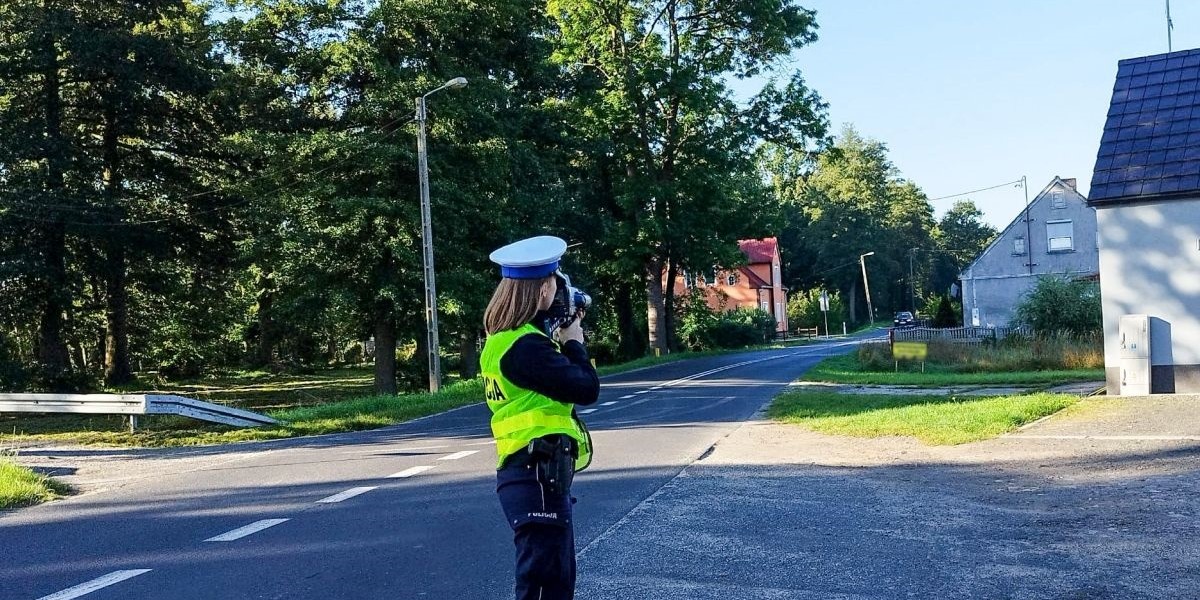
1134 334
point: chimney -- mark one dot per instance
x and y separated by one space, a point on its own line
1070 182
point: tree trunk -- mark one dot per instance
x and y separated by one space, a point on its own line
630 338
52 349
116 330
264 349
669 306
655 319
385 347
469 355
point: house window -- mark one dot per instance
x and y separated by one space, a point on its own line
689 280
732 279
1019 245
1060 236
1057 199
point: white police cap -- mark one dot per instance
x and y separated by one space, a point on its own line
530 258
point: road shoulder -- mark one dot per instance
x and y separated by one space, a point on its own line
1084 504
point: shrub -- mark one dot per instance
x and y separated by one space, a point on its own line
946 316
804 309
702 328
1061 304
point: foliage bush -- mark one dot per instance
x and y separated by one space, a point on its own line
702 328
946 315
1060 304
804 309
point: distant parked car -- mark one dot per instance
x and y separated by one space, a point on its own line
904 319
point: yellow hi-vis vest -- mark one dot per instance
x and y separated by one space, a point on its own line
520 415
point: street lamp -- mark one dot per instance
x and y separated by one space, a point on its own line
431 327
862 261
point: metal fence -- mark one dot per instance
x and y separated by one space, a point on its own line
961 335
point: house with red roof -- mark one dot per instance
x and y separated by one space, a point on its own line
758 284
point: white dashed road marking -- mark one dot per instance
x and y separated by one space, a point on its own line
88 587
642 392
458 455
608 403
587 410
242 532
627 397
350 493
410 472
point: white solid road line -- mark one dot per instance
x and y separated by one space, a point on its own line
88 587
588 410
609 403
458 455
350 493
410 472
242 532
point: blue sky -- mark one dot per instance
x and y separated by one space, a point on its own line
967 95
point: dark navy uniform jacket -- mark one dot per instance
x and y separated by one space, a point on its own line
535 363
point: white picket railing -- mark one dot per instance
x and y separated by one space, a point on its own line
965 335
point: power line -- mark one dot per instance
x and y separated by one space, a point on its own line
974 191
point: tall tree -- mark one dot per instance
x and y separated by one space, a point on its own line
961 236
849 202
652 82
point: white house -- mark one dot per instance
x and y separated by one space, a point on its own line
1146 191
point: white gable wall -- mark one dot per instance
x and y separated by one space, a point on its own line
1150 264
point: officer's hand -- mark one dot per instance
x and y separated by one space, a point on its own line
571 331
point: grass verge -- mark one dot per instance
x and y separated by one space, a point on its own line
20 486
846 369
936 420
332 401
356 414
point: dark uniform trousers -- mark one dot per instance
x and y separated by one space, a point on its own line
543 531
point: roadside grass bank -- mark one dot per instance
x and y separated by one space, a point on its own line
20 486
1050 359
356 414
331 401
932 419
848 369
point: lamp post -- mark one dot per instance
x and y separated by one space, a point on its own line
431 327
866 286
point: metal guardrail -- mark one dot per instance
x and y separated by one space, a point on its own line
132 405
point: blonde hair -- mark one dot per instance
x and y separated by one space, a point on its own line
514 303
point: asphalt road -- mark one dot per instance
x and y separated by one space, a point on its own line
404 512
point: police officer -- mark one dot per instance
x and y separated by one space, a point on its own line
533 379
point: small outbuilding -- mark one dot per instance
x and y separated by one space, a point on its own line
1146 191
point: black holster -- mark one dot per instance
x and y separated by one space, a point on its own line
554 458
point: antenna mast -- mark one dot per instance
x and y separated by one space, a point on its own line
1169 25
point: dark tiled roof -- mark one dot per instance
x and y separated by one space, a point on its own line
1151 142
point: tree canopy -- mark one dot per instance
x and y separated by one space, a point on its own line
191 185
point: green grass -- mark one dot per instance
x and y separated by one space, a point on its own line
846 369
937 420
20 486
368 412
328 401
